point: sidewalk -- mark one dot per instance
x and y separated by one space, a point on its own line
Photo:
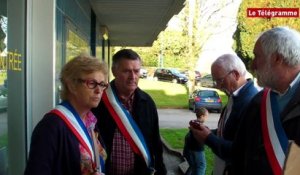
179 118
174 161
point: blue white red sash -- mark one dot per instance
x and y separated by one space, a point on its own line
126 125
274 137
70 117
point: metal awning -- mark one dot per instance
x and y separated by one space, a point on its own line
135 22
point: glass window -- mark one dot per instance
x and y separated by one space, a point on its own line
99 46
75 44
3 95
99 52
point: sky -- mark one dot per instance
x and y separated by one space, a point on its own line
225 25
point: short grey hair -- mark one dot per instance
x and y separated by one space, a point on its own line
231 62
284 41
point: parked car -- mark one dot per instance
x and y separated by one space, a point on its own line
209 99
143 73
207 81
196 74
171 74
185 72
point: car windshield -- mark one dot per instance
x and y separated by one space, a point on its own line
175 71
207 94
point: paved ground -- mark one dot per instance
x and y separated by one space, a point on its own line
179 118
173 160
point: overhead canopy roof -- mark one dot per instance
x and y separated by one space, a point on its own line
135 22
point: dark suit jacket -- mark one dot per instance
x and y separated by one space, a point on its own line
249 155
146 117
222 146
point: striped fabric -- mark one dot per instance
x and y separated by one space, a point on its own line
274 137
126 125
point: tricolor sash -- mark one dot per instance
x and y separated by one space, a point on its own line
68 114
274 137
126 125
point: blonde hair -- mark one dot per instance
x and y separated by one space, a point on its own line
78 66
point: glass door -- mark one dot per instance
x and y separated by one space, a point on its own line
3 92
12 86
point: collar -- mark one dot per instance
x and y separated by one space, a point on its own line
236 92
296 80
126 100
123 100
291 85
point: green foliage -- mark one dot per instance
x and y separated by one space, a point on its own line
167 51
248 29
179 47
3 25
149 55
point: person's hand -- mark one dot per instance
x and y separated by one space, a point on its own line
200 132
195 124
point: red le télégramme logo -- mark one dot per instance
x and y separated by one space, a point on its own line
273 12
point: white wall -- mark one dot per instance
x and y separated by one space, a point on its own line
41 39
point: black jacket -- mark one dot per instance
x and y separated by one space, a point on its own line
146 117
249 155
54 149
191 144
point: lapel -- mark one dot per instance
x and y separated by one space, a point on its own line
292 108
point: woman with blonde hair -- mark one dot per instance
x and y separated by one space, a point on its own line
65 141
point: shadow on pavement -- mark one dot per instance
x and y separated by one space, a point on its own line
174 161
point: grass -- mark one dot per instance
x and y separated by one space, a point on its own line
175 139
170 95
166 95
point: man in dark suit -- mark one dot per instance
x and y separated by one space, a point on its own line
273 116
229 74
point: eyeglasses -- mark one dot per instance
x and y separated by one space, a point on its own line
92 84
221 80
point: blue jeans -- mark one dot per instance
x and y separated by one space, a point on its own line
197 162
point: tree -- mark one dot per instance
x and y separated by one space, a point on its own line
3 28
248 29
181 47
